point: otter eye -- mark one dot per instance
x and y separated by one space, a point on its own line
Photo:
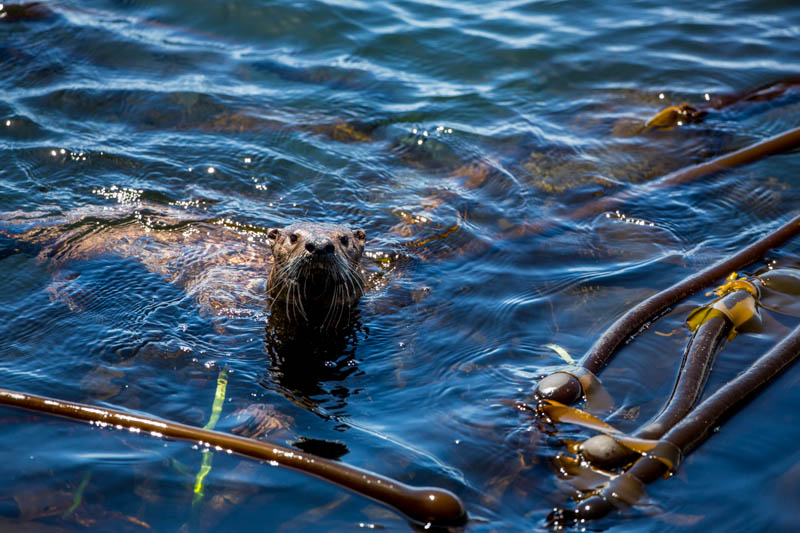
293 238
344 240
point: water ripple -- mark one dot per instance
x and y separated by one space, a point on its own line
451 132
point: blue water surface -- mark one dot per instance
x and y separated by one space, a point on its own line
461 136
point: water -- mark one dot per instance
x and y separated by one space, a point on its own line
443 130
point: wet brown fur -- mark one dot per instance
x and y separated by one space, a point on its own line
316 276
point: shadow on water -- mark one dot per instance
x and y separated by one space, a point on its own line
303 359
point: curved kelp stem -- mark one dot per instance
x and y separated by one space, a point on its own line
426 505
604 451
706 342
631 322
687 435
735 310
782 142
644 313
774 145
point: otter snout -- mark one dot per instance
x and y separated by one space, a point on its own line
319 245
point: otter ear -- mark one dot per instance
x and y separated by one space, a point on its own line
273 235
360 235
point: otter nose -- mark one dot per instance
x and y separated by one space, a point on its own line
319 245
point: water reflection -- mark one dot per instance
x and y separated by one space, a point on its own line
304 360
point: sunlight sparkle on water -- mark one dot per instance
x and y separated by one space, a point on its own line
123 195
622 217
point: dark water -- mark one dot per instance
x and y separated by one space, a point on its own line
442 129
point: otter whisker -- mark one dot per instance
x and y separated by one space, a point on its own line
325 321
287 301
302 309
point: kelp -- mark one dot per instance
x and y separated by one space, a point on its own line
780 143
26 12
685 436
683 114
620 464
573 384
642 315
425 505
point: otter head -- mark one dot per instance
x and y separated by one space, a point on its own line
316 275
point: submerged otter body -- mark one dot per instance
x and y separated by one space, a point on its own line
310 272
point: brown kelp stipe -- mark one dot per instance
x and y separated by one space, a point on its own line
783 142
603 451
425 505
642 314
687 435
735 310
774 145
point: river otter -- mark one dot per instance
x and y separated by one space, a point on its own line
311 272
316 274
